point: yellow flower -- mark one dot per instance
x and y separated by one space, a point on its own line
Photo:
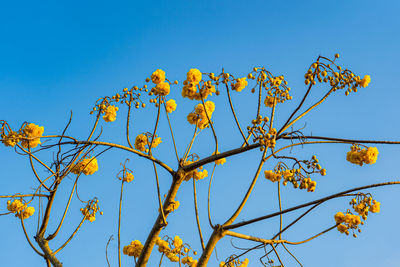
15 206
172 257
110 113
272 176
173 205
365 81
199 116
141 142
162 88
210 106
193 118
11 139
28 212
33 132
133 249
194 76
342 228
189 91
354 157
156 142
170 105
244 263
240 84
370 155
158 76
128 177
357 156
163 245
269 102
339 217
177 241
220 161
21 210
89 212
88 166
198 175
376 207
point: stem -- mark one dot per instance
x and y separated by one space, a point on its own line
234 115
119 223
246 197
197 214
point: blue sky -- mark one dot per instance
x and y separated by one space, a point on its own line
63 56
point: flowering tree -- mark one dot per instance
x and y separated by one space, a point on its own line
71 157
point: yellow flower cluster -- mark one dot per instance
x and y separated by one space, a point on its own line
195 174
364 82
133 249
162 87
269 101
110 113
90 210
21 210
359 156
295 176
32 134
170 105
11 139
308 184
234 263
87 166
194 76
335 76
142 142
220 161
128 177
364 205
346 222
376 207
240 84
164 247
272 176
199 116
173 205
267 140
158 76
275 86
192 83
189 261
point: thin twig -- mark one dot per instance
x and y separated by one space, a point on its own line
197 214
234 114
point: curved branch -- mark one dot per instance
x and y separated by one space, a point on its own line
246 197
29 241
343 140
234 114
162 164
233 226
197 214
72 235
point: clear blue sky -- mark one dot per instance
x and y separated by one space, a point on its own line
62 56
